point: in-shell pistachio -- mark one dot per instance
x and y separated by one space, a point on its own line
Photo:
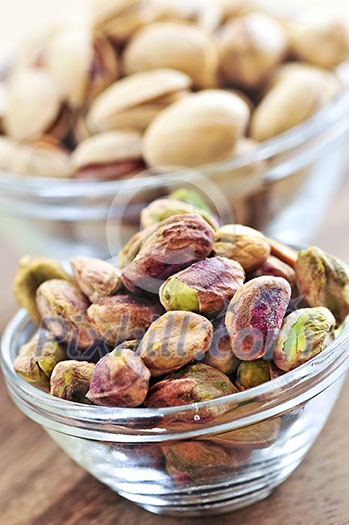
250 48
277 268
323 280
193 51
120 379
255 315
199 129
173 340
220 354
304 334
206 287
254 373
179 241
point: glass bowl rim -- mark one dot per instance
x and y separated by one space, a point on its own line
88 413
297 136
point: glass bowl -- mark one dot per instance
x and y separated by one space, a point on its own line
206 458
282 186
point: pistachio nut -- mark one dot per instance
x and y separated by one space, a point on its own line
255 315
258 436
277 268
320 40
133 102
174 340
63 309
31 273
200 129
119 19
81 65
254 373
120 379
123 317
295 98
323 280
37 358
192 384
96 278
43 156
193 51
304 334
205 287
283 252
191 197
250 48
177 243
199 461
33 104
108 156
220 354
70 380
162 209
243 244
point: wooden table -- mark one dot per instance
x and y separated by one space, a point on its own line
40 485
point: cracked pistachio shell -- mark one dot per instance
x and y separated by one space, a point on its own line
173 340
254 373
71 380
192 384
283 252
161 209
96 278
291 101
178 242
134 101
63 309
193 51
37 359
31 273
80 64
313 32
42 157
205 287
255 315
199 129
123 317
250 48
243 244
207 14
304 334
120 379
33 104
323 280
119 19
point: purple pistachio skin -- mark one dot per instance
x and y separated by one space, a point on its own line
179 242
192 384
255 315
70 380
276 268
120 379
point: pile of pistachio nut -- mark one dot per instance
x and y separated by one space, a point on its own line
163 83
193 311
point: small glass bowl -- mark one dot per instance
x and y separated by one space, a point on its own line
194 460
282 186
